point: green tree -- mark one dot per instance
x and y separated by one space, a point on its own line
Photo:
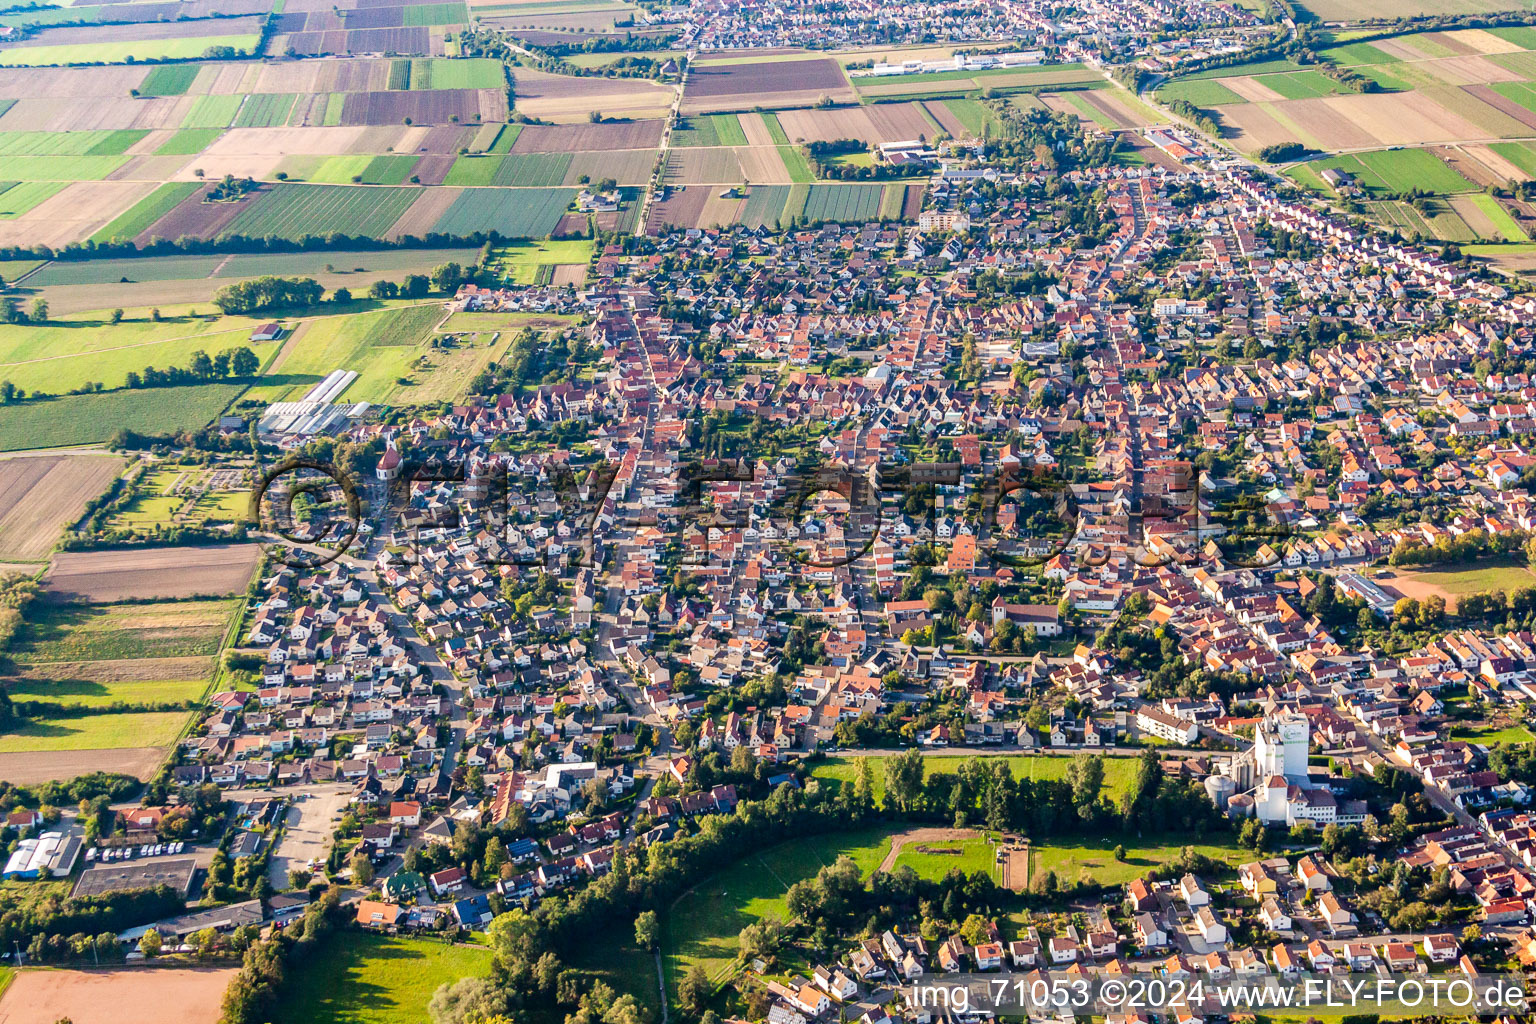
647 929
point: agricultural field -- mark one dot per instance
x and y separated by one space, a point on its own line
1118 771
726 85
137 996
41 494
84 419
1398 171
377 979
143 573
1040 78
1435 88
293 211
565 100
182 496
85 287
109 665
525 262
391 349
109 632
71 351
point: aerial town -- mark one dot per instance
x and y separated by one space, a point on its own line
725 513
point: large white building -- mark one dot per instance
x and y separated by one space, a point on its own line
1273 774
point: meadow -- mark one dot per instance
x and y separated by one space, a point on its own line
521 263
702 926
1069 860
1118 771
389 348
1476 578
93 732
376 979
1490 734
69 351
76 633
96 694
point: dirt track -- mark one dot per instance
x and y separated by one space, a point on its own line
923 835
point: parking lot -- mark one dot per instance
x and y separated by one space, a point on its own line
311 820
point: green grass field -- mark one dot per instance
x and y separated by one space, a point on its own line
105 632
380 345
440 73
94 732
1098 859
65 353
375 979
188 141
702 926
938 858
1508 229
709 130
88 693
147 210
1398 170
1488 734
511 213
120 52
82 419
294 211
1476 578
1118 771
520 263
169 80
25 196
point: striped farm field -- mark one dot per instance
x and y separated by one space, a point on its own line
1201 92
1399 170
1521 154
536 170
188 141
21 197
509 212
389 169
1302 85
60 168
87 143
265 110
1501 225
169 80
471 170
710 130
844 202
443 73
294 211
764 206
212 112
146 211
